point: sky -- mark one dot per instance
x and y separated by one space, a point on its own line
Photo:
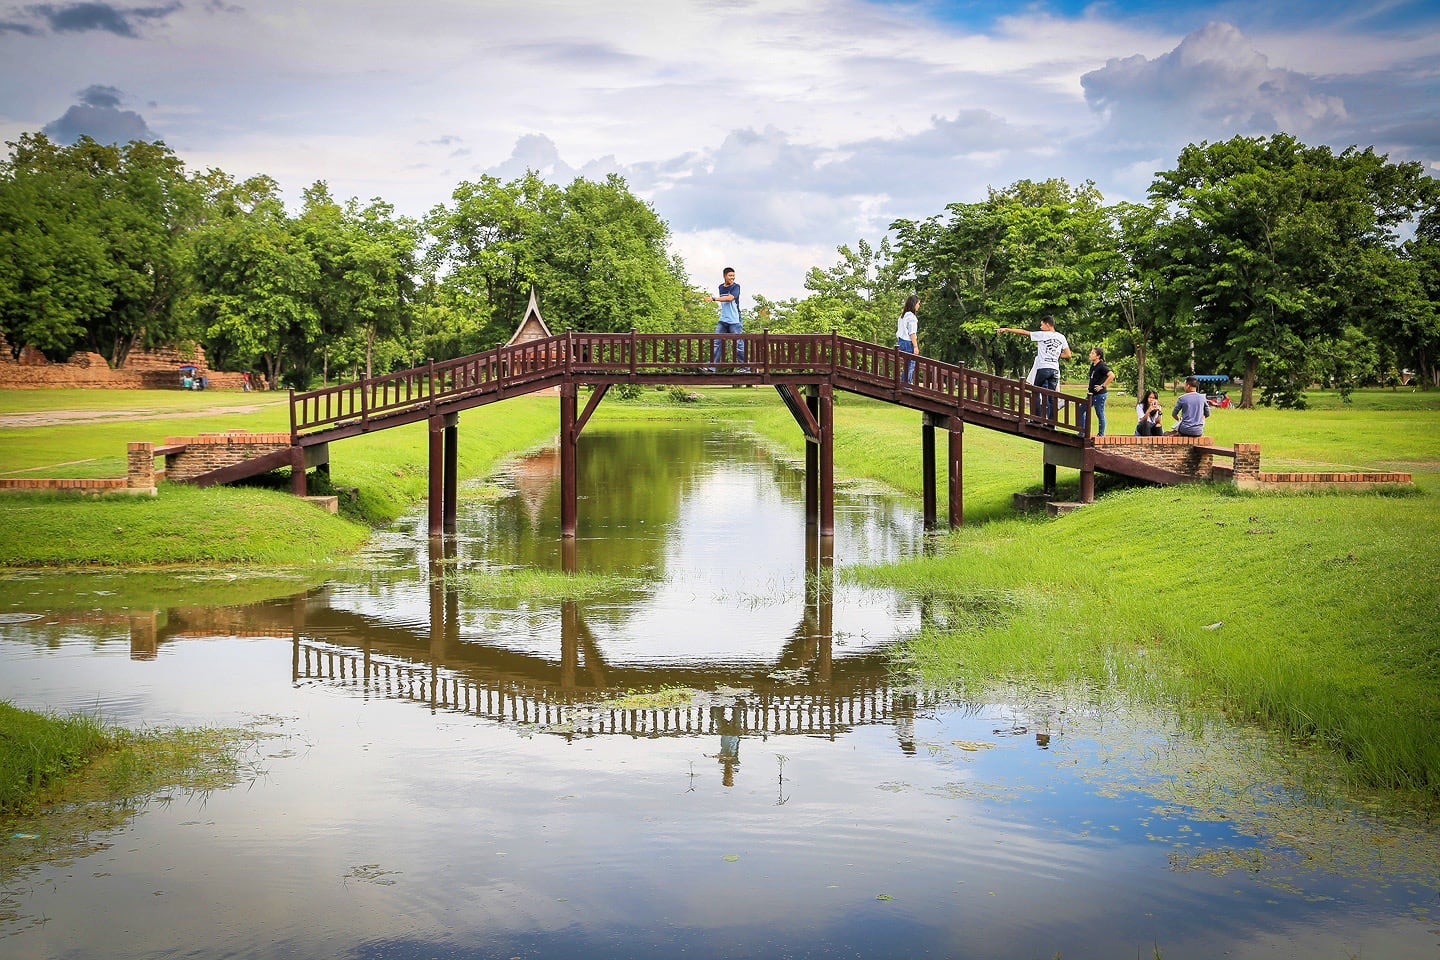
765 133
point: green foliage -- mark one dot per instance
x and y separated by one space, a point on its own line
1279 246
861 296
1025 251
594 254
88 252
37 750
256 280
1127 375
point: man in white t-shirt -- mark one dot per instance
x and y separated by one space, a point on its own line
1050 349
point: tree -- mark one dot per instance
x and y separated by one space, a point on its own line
1025 251
366 260
1132 289
89 239
594 254
1278 246
54 271
255 281
1413 331
605 266
485 248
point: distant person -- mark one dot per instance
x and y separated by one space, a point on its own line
731 729
1101 376
729 300
1050 349
247 383
1191 409
907 334
1149 416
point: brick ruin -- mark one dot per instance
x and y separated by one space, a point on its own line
144 370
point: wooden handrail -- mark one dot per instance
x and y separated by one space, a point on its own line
855 365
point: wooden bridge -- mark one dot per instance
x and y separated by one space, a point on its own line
804 369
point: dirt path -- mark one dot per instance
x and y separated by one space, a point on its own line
55 418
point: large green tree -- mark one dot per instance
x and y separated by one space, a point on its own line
1413 333
1025 251
594 254
1279 246
89 245
256 283
366 258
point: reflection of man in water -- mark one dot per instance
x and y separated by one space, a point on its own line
905 721
730 729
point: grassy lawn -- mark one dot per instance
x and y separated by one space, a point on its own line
381 475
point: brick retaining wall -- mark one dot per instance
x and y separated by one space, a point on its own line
212 451
1193 457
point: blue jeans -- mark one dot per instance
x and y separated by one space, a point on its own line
723 327
1049 379
1097 403
906 346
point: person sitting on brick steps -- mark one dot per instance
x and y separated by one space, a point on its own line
1149 416
1191 410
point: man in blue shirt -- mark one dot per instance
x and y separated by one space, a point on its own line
1191 410
729 300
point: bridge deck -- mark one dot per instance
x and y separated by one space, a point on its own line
866 369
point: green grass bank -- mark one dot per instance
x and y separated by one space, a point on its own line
379 477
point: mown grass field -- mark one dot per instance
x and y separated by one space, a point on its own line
1315 615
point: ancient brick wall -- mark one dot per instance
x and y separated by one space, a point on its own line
144 370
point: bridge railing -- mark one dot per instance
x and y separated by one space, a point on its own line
866 366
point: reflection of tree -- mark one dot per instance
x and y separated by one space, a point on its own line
630 478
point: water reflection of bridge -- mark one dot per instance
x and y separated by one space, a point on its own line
807 708
804 689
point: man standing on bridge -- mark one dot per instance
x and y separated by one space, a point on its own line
729 300
1050 349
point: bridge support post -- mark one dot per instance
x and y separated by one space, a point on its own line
927 469
297 470
957 473
826 419
812 467
452 470
569 511
436 498
1049 479
1087 477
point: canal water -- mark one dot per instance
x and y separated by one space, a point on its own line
720 756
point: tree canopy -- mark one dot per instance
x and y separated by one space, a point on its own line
1262 258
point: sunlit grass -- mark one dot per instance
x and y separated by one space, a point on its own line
530 585
36 751
379 477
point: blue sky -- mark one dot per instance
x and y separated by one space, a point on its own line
765 132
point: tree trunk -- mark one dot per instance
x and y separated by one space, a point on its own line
1247 393
1140 350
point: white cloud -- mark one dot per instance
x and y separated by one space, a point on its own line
1214 81
784 126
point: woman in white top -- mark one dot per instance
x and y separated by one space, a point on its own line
1148 416
907 334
